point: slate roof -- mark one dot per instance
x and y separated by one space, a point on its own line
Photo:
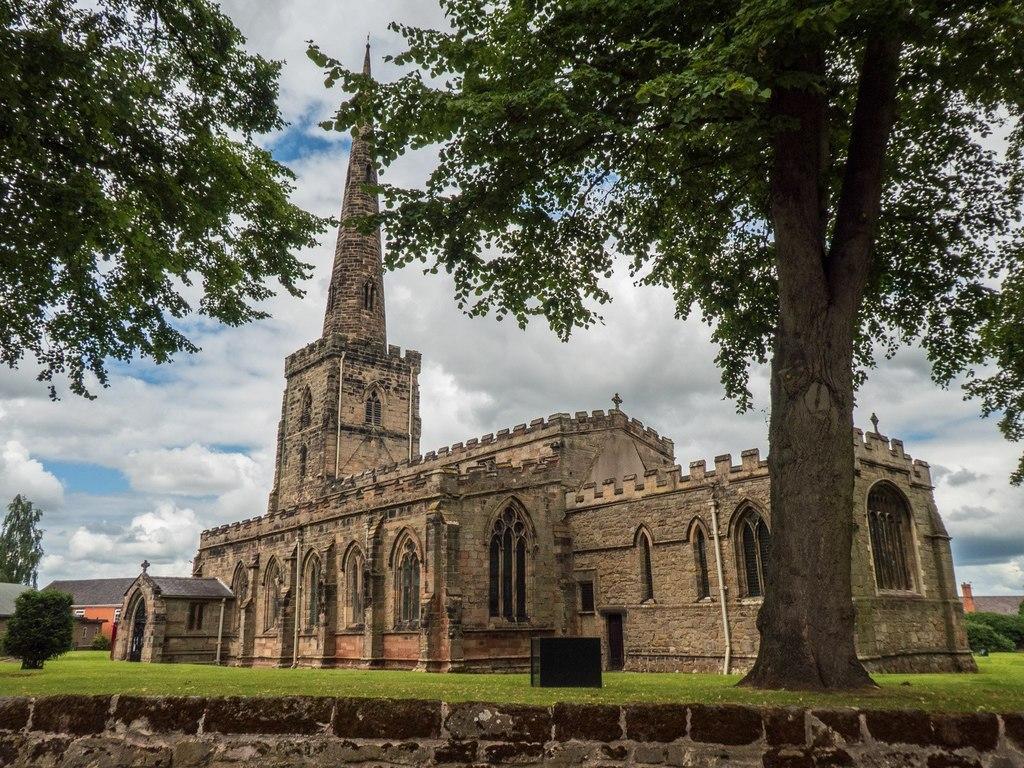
183 586
998 604
8 594
94 591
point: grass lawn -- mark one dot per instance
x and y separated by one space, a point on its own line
999 686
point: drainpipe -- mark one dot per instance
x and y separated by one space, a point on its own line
297 607
220 629
721 585
337 437
410 415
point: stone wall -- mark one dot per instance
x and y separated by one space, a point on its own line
104 731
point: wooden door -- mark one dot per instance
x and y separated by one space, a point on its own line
616 657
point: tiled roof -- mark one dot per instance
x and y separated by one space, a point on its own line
8 594
998 603
179 586
94 591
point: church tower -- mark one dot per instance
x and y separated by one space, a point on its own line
351 401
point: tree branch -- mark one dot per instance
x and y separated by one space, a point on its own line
860 199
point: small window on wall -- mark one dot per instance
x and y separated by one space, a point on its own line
117 614
79 612
700 558
369 295
372 412
586 597
303 456
195 616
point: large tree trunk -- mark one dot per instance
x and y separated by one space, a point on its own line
807 618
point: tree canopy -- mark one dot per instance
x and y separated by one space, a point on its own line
132 193
820 181
574 130
41 627
21 543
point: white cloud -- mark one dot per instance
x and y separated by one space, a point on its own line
20 473
165 535
191 471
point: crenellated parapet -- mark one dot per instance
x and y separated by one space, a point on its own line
376 490
876 448
335 345
668 480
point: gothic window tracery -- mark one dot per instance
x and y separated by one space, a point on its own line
507 575
372 412
889 528
354 585
753 554
643 543
272 597
700 560
407 603
314 591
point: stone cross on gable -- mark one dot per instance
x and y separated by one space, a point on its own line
145 565
616 401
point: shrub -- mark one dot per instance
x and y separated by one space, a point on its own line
1006 625
40 629
100 642
981 636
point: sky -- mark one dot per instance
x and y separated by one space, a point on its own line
167 451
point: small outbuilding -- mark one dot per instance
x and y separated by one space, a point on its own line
172 619
8 595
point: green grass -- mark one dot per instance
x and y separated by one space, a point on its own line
999 686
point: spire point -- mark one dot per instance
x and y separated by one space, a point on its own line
366 58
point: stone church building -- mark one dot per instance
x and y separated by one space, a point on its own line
373 554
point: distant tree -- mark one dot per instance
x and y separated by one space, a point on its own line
21 547
131 191
41 627
982 637
1010 626
100 642
1020 609
820 181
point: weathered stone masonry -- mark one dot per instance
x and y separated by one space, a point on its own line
373 555
109 732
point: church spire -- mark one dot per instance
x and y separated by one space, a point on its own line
355 299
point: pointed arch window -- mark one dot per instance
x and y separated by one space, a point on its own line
407 603
754 550
306 409
372 412
240 589
330 296
369 295
508 566
643 543
303 456
354 586
314 591
700 561
272 596
889 528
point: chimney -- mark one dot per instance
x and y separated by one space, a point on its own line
968 597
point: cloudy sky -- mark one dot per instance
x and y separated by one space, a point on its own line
168 451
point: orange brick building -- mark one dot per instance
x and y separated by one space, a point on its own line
96 599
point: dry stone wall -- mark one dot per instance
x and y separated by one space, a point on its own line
180 732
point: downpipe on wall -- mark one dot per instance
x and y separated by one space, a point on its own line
727 662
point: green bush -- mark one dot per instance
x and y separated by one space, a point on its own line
100 643
40 629
1006 625
981 636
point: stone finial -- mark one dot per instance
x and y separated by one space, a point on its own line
145 565
616 401
874 423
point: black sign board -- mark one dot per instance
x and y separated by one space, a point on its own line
565 662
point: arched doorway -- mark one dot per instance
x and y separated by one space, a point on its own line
138 631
